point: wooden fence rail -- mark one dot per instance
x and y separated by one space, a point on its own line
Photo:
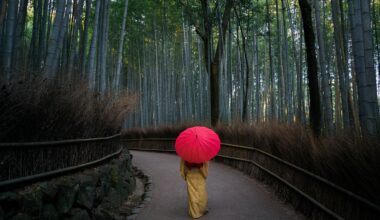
22 163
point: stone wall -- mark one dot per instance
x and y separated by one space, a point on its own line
95 193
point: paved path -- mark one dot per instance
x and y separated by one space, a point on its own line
232 195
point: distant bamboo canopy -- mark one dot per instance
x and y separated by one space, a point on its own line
310 61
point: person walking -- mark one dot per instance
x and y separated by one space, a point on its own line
196 146
195 175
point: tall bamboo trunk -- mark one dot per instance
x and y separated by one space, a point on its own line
17 60
3 12
157 108
281 76
247 71
360 21
43 35
54 39
312 70
285 63
340 61
258 79
77 22
120 50
91 70
326 89
84 39
10 23
376 18
34 53
60 60
270 73
297 55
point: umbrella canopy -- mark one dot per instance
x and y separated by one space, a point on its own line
197 144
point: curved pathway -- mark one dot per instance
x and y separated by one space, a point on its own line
232 195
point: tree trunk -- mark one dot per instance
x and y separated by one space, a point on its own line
120 50
51 8
54 38
157 75
43 35
238 77
247 71
91 70
303 99
33 61
17 60
376 33
61 50
84 39
77 22
360 21
296 60
312 70
258 85
281 77
3 12
326 89
340 61
229 74
285 63
103 46
270 73
10 23
213 65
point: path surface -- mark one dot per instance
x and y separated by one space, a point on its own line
232 195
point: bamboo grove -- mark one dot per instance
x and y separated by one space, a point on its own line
64 40
314 62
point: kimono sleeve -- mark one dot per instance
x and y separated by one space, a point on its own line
204 170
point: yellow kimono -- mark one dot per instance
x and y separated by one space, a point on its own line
195 178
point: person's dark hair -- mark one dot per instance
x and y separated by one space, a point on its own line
193 165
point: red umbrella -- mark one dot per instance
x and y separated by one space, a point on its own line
197 144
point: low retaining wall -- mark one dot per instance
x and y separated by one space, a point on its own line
95 193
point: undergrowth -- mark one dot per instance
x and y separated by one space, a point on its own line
40 109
